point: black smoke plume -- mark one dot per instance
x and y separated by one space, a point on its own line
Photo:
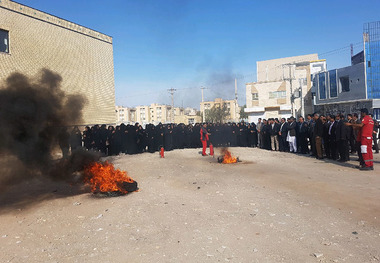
32 113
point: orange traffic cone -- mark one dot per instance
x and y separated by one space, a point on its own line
211 150
162 152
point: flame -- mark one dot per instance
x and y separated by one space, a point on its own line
227 158
103 177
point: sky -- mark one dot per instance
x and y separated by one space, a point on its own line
189 44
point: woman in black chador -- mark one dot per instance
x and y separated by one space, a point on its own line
142 139
110 143
75 139
151 133
252 135
160 137
234 131
87 138
131 139
168 138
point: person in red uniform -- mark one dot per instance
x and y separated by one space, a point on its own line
204 138
366 139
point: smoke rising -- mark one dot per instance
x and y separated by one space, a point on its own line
32 113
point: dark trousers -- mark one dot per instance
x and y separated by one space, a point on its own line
343 150
352 144
326 146
302 144
333 149
284 145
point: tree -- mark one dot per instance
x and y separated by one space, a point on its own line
243 114
217 113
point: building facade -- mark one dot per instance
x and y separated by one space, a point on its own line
347 90
232 107
161 113
31 40
125 115
283 87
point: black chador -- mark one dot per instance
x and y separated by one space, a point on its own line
168 138
234 131
87 138
117 138
131 139
188 136
160 137
75 139
151 131
252 135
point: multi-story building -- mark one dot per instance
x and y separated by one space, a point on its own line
31 40
158 113
347 90
125 115
232 107
283 87
142 115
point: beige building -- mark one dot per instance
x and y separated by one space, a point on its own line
283 87
160 113
232 106
125 115
187 119
188 116
83 57
142 114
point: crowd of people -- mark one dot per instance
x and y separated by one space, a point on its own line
331 136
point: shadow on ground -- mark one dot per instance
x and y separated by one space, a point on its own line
30 193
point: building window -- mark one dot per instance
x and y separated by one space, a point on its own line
344 83
255 96
4 41
322 86
333 85
277 94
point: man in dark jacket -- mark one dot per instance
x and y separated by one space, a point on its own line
302 135
318 134
284 145
274 130
291 138
342 136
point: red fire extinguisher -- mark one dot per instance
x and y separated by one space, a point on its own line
162 152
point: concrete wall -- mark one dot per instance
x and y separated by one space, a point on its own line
83 57
345 108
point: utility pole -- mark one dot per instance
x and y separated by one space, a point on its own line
290 79
171 91
236 104
203 112
301 98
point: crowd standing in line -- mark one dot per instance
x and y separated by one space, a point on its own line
332 136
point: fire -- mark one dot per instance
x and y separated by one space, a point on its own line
227 158
104 178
